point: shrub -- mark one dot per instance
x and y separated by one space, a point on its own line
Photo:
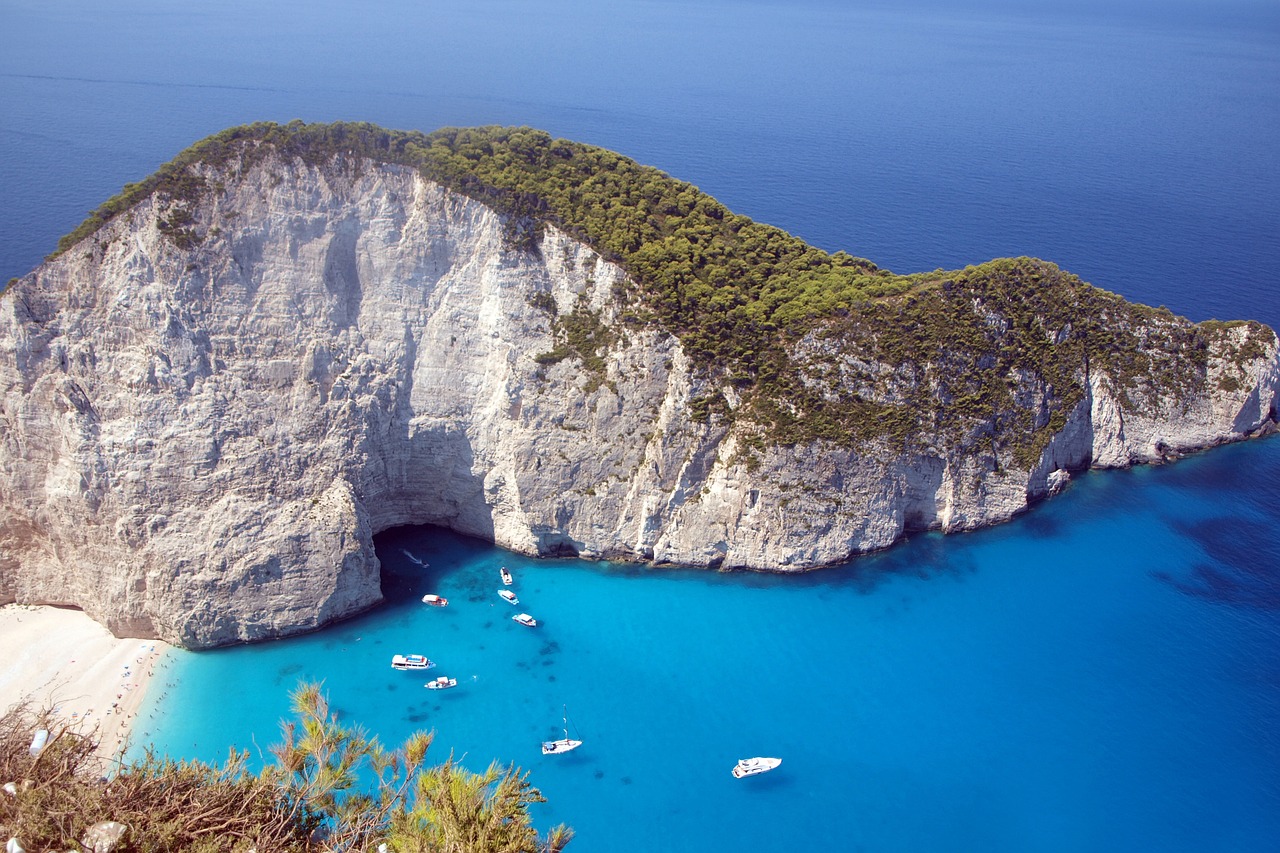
307 801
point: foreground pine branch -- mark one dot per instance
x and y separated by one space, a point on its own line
308 801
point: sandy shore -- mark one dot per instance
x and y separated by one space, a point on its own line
63 660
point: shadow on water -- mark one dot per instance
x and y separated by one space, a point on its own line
1244 566
415 560
406 577
1040 525
1249 469
923 556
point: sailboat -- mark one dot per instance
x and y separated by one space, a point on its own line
565 744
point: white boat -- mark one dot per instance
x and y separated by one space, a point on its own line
411 662
754 766
506 576
526 619
435 600
508 596
565 744
444 682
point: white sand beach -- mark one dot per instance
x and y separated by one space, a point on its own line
62 659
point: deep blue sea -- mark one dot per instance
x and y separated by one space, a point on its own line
1101 674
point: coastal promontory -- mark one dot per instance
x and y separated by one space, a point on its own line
291 337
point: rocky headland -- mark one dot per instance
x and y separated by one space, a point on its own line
292 338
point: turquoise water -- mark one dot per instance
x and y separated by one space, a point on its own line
1101 674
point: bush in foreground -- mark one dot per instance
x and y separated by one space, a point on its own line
306 800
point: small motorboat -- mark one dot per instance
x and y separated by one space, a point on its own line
526 620
508 596
444 682
435 600
411 662
507 580
754 766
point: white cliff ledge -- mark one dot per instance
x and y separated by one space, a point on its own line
200 437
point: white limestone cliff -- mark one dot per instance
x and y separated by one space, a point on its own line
199 443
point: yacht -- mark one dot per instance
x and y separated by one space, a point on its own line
411 662
754 766
526 619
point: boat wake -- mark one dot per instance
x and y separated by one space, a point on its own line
422 563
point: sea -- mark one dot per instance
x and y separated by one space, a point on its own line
1100 674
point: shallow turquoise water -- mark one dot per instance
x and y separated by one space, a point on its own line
1101 674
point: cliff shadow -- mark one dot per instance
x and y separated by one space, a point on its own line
411 563
922 555
1240 569
425 558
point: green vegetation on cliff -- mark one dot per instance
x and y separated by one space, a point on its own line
991 358
720 280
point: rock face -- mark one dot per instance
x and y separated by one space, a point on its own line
205 417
